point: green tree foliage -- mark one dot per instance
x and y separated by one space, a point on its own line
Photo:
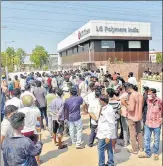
159 58
20 53
7 59
39 56
10 52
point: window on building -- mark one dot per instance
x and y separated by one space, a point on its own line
134 44
107 44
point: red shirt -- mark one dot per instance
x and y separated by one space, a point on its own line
154 113
49 81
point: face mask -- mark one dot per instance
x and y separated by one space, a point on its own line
150 97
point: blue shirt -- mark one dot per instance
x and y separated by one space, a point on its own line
20 151
72 108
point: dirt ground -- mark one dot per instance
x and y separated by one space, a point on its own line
51 156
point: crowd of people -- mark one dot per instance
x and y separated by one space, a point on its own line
153 75
56 102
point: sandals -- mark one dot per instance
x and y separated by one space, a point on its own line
132 151
156 157
62 147
143 155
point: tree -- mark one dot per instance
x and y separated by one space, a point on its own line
10 53
3 59
10 64
20 53
39 56
159 58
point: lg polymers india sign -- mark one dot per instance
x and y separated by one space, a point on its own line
114 30
83 33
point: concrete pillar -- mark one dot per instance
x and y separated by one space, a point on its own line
59 61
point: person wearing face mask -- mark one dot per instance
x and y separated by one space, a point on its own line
134 109
153 124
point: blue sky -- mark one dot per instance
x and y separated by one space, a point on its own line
47 23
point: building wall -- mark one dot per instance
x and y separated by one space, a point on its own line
136 68
121 45
120 52
125 56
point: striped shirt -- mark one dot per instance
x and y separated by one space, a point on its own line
154 113
116 107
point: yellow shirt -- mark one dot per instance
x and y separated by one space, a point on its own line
66 96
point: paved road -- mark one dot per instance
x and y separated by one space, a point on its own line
51 156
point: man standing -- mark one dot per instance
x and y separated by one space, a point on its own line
57 111
132 79
6 129
153 124
72 113
83 88
105 130
134 108
40 94
49 98
16 99
94 110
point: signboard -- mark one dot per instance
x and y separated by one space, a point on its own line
115 29
152 84
83 33
103 28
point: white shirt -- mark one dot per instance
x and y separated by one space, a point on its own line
106 123
15 101
89 97
31 115
22 84
6 128
132 80
27 93
54 83
94 107
39 79
83 87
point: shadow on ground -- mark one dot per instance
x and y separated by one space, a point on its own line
52 154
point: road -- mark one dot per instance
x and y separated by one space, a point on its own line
51 156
